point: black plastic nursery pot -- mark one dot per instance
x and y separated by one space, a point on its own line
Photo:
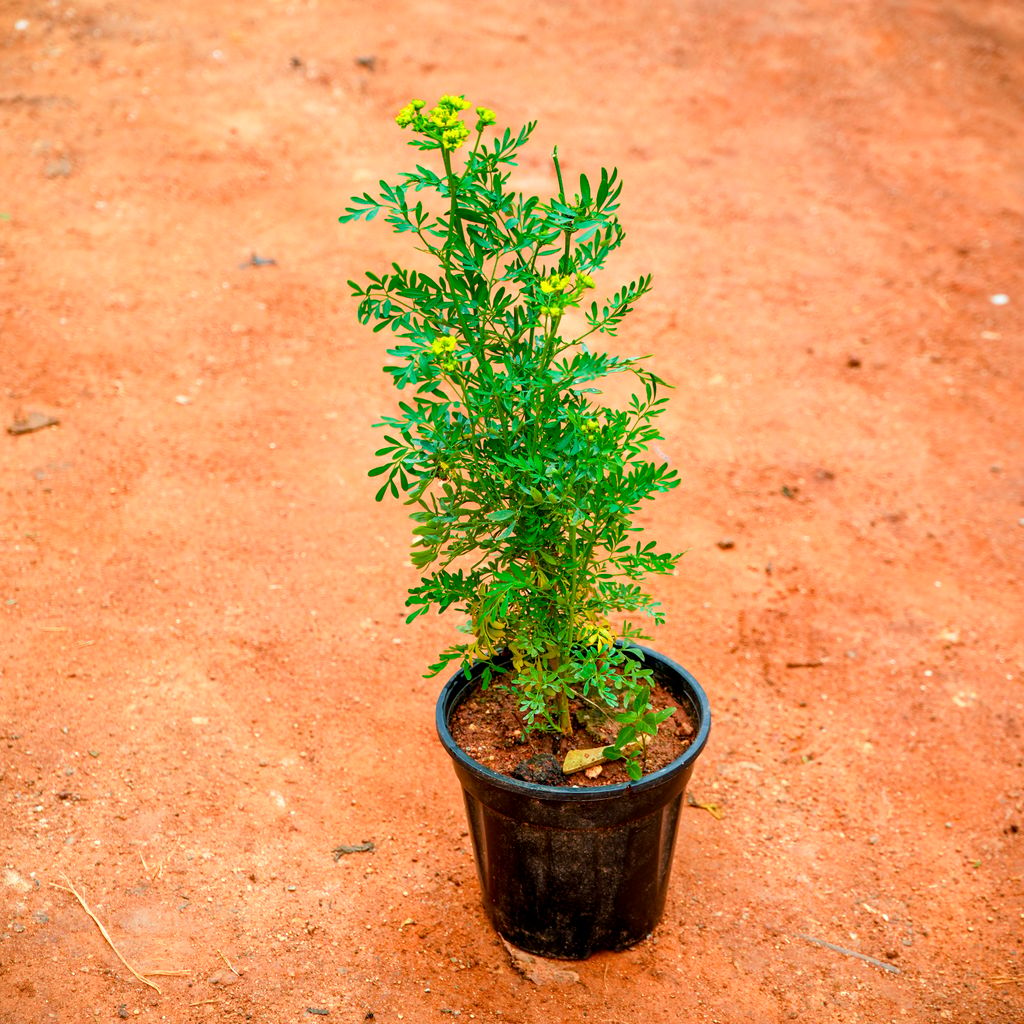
567 872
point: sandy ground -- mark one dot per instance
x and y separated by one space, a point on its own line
203 653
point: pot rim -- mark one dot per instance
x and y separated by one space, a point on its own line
698 698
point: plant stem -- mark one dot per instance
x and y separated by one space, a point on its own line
563 264
455 227
564 719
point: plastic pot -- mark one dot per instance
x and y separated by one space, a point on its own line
566 872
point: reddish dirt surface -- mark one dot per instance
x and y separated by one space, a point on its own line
201 606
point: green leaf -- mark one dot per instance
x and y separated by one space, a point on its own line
657 717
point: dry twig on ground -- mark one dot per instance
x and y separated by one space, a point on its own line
103 931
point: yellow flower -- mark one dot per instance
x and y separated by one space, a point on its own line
444 117
443 122
448 127
441 345
454 137
486 117
555 284
408 114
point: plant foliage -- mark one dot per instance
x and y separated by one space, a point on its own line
523 484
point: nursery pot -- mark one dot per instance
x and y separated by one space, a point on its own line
566 872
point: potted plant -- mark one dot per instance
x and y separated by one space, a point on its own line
523 483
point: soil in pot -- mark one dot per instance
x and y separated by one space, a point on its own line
490 729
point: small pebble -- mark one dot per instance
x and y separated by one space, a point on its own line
999 299
59 168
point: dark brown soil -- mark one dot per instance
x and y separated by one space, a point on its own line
488 727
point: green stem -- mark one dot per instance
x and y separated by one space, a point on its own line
563 264
455 229
564 718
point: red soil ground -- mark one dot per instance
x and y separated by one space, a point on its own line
203 653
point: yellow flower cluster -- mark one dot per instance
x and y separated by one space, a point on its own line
408 114
590 429
447 343
448 126
557 289
443 347
555 284
443 122
452 103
